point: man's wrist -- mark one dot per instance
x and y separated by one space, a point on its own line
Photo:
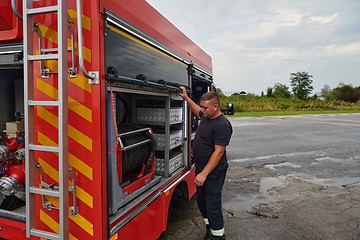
205 173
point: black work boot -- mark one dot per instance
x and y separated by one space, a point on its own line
212 237
208 234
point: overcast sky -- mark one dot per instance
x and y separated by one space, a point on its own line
257 43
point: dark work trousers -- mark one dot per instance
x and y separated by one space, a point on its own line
209 198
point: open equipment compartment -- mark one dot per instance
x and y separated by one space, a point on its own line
146 110
12 169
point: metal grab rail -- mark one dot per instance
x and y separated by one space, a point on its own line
14 8
90 75
125 148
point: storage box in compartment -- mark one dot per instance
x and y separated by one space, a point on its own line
176 139
13 128
157 115
175 163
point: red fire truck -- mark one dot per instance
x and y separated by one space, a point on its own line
95 141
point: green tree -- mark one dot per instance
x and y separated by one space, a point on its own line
220 92
269 92
301 84
326 93
281 90
346 93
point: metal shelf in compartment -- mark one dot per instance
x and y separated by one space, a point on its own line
156 116
176 139
175 162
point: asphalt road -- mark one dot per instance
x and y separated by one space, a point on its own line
295 177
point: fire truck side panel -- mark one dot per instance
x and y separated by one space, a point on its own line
122 40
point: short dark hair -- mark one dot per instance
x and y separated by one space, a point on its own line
211 96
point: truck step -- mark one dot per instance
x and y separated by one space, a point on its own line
43 103
41 10
43 234
43 57
44 191
43 148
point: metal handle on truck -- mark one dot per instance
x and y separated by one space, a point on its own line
14 8
92 76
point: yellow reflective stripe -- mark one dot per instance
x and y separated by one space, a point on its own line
84 196
83 223
80 109
80 138
74 105
80 166
218 233
54 174
79 220
86 21
49 170
114 237
51 223
73 132
206 220
47 116
80 80
44 140
73 161
51 35
86 52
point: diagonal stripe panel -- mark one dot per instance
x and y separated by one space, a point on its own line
80 166
80 80
51 223
86 21
79 220
54 174
76 135
74 105
76 163
51 35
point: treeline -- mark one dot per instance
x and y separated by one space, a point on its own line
279 98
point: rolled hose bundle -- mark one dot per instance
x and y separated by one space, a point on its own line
134 158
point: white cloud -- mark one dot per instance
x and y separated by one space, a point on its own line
255 44
347 49
324 19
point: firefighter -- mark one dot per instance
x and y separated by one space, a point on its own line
209 153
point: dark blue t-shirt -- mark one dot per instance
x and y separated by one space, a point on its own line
211 132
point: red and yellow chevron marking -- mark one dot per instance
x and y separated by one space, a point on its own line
51 35
84 154
86 21
74 105
76 135
80 80
51 223
76 163
81 194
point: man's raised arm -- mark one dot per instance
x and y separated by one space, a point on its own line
193 106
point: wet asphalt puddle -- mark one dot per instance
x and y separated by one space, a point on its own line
259 186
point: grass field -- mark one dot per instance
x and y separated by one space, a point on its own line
288 113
